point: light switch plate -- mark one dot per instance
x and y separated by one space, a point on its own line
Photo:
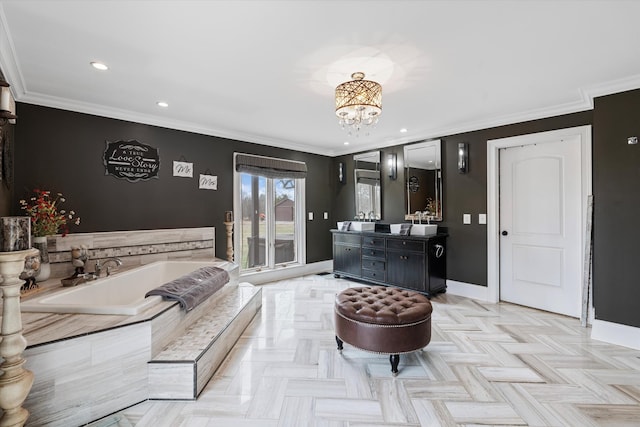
310 216
482 218
466 218
326 215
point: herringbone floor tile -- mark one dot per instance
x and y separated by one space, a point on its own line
487 364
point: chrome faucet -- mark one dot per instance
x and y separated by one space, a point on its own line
100 265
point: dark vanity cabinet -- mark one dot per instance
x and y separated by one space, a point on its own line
373 259
412 262
346 254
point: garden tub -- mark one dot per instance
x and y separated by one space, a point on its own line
120 294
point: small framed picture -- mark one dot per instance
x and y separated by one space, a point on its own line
183 169
208 182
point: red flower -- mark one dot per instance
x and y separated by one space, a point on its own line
46 219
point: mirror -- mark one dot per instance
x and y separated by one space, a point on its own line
367 185
423 179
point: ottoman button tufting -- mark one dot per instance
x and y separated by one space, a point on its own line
383 320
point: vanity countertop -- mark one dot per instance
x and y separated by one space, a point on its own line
384 234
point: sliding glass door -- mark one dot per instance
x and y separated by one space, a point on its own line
270 227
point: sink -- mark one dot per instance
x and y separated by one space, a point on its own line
395 228
359 226
417 229
362 226
424 229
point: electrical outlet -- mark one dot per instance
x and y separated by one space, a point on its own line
466 218
326 215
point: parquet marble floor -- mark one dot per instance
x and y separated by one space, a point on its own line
487 364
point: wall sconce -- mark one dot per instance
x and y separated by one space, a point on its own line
341 176
632 140
392 165
7 105
463 157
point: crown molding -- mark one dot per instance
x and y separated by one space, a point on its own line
8 59
131 116
587 96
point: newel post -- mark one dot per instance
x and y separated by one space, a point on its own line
15 381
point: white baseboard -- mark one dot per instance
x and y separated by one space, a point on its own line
615 333
468 290
282 273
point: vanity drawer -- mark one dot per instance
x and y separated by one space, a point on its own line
374 275
372 264
373 242
407 245
373 253
352 239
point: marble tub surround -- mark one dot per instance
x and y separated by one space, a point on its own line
89 366
134 248
184 366
45 328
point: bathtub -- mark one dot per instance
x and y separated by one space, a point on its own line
120 294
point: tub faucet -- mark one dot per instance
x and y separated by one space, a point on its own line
99 265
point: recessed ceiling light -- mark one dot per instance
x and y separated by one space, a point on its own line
346 143
99 66
162 104
403 130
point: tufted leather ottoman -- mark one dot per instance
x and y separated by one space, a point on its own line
383 320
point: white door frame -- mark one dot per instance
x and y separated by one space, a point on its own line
493 193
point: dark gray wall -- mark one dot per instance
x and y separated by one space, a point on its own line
6 137
616 192
62 151
462 193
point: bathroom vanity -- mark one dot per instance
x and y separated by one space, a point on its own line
412 262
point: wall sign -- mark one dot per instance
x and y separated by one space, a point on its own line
184 169
131 160
208 182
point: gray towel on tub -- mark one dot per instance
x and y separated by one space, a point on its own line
193 288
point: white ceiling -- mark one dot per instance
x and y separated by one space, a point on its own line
265 71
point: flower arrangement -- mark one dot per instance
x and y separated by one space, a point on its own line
46 219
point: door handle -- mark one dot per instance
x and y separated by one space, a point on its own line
505 232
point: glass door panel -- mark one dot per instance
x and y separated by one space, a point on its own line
253 227
285 220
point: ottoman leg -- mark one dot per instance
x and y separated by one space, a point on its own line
394 359
339 341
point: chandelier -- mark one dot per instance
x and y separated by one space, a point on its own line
358 103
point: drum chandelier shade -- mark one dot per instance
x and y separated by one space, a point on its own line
358 103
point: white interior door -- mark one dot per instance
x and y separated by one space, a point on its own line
540 225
